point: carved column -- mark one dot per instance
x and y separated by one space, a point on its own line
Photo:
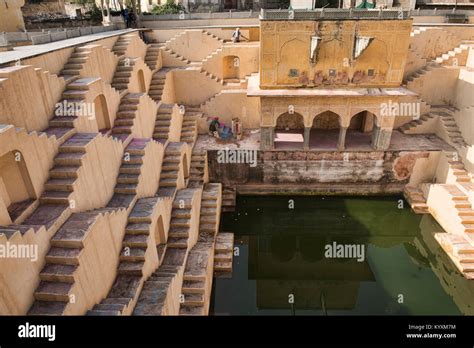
266 138
307 132
381 138
341 142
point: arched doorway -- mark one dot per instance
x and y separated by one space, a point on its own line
102 113
289 131
160 237
359 133
141 81
231 69
325 131
16 188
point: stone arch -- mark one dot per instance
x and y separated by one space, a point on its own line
289 130
141 81
359 132
102 116
325 130
231 68
160 237
288 61
16 188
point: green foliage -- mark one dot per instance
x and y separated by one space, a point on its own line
94 13
169 8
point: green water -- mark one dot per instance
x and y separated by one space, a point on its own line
282 266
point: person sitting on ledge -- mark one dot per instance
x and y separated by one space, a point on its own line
236 35
214 129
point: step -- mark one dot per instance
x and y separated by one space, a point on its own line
181 213
55 197
177 243
136 240
53 291
64 256
47 308
138 228
131 268
193 300
129 189
177 222
132 254
178 233
128 178
64 185
69 159
62 172
58 273
193 287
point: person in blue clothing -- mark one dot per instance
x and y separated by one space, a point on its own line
126 17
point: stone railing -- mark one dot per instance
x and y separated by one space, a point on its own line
52 35
206 15
333 13
352 13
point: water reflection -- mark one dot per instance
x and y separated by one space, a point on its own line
282 254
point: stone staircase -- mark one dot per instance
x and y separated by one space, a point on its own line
228 199
157 84
135 253
455 57
460 173
421 72
417 31
175 55
163 123
416 199
129 172
214 36
198 173
75 64
162 290
460 250
125 119
197 280
427 124
60 125
179 225
170 167
223 254
58 285
453 134
152 54
121 44
189 131
123 73
210 210
59 187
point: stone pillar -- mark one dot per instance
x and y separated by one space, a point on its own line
266 138
381 138
341 142
307 131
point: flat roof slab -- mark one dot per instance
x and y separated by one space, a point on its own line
24 52
254 90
